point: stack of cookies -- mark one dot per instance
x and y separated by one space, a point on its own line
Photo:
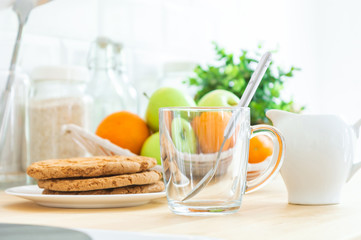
97 175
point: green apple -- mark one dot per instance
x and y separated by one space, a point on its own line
219 98
151 147
165 97
183 136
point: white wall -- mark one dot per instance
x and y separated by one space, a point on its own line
321 37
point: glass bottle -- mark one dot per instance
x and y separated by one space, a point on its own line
133 96
174 73
106 87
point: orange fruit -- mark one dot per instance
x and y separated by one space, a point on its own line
260 147
209 128
125 129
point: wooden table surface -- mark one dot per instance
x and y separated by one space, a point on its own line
264 215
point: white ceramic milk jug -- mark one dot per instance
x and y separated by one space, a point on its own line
319 156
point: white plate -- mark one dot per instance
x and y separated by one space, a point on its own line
34 193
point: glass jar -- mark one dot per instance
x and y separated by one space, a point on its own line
57 98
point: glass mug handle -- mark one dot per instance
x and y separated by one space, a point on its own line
265 175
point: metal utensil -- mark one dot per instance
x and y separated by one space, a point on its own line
244 102
22 8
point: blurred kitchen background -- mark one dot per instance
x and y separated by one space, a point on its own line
161 37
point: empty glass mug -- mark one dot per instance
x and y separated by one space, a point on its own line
191 138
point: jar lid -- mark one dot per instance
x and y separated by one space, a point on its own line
72 73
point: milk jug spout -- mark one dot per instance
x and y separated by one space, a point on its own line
277 115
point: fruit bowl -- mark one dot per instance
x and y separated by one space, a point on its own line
95 145
201 163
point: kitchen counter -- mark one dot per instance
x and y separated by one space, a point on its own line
264 215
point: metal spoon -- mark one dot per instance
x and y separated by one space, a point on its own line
244 102
22 8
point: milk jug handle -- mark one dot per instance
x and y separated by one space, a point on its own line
356 128
355 166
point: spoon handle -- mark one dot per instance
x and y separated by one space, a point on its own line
255 80
249 92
